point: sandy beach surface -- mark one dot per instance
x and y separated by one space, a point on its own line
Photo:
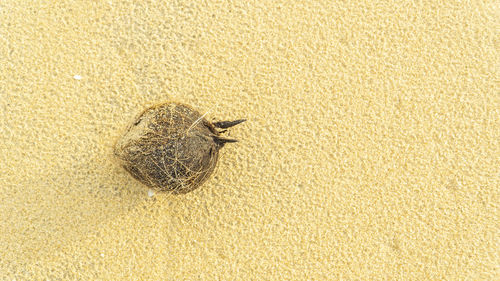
371 150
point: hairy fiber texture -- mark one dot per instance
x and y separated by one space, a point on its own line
169 147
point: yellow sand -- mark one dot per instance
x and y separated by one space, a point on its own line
371 149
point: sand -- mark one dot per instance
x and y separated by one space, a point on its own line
371 150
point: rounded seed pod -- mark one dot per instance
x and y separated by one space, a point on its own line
172 147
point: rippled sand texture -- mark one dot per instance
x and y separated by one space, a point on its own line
371 149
